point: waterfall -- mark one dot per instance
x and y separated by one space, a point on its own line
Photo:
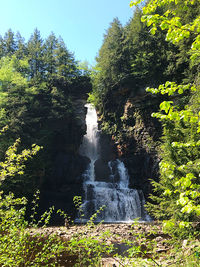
121 203
89 147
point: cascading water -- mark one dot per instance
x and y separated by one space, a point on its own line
121 203
89 147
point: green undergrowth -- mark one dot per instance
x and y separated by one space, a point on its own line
25 243
17 246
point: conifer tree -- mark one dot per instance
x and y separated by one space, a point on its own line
66 68
9 43
21 49
113 57
36 56
50 55
1 46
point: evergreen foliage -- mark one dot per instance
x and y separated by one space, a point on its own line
129 58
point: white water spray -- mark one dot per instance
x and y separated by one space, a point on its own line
89 147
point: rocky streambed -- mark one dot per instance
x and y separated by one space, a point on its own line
148 240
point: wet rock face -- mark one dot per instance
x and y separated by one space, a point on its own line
102 171
136 136
68 165
142 167
64 180
140 153
68 169
107 152
107 148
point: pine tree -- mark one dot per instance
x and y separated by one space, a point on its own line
9 43
1 47
36 56
21 49
66 68
50 55
113 57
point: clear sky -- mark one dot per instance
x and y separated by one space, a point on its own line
81 23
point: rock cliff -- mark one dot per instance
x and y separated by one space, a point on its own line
64 180
134 134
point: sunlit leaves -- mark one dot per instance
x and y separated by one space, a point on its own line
9 74
168 225
166 105
14 162
167 192
172 23
170 88
180 166
167 168
135 2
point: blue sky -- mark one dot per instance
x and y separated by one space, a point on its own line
81 23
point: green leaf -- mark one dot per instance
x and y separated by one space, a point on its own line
166 105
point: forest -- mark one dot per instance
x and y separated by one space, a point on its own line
145 87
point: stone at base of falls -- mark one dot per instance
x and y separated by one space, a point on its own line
68 169
107 147
102 171
106 171
65 183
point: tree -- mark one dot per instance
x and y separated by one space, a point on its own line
150 68
35 55
1 47
9 43
50 55
113 56
21 49
178 190
66 68
37 84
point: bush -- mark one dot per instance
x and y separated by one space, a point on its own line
20 247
